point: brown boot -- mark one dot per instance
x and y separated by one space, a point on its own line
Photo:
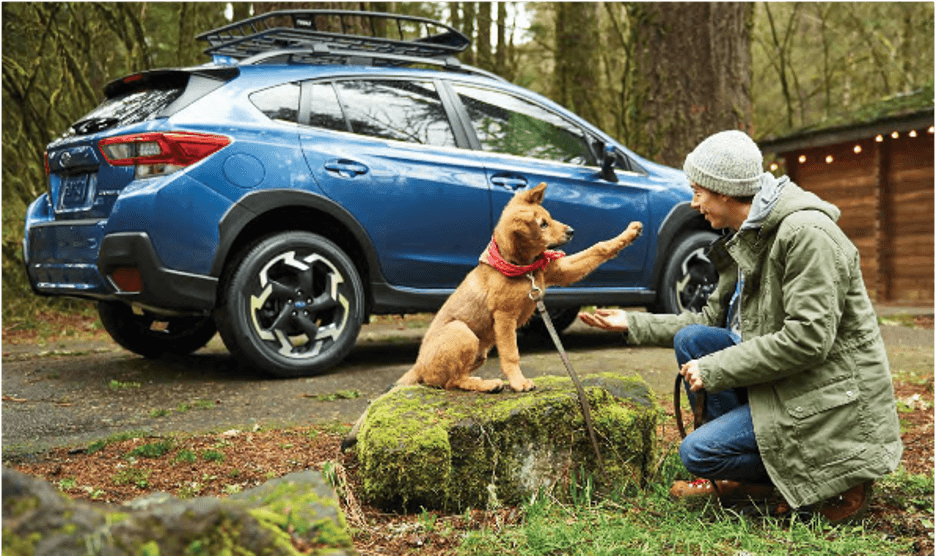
848 507
723 489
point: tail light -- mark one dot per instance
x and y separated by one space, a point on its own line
160 153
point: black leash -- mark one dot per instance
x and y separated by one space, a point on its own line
698 410
536 294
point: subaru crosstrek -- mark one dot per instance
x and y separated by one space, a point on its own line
324 167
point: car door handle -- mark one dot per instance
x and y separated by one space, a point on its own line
509 182
346 168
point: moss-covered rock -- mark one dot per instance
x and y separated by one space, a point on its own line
423 447
38 520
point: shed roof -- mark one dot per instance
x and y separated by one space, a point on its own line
900 113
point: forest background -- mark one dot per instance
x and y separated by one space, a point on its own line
659 77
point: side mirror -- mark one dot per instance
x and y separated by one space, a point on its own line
607 164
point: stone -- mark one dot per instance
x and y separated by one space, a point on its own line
427 448
298 509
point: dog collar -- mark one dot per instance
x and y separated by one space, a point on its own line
491 256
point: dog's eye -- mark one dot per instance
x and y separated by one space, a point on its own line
544 224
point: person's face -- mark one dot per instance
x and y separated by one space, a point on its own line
714 207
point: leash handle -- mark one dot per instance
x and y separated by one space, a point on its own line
583 400
698 410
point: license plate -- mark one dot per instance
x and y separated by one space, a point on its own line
75 192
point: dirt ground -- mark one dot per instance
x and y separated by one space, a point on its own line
220 463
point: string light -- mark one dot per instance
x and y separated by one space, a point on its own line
858 149
774 166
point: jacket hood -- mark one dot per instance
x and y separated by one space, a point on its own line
780 197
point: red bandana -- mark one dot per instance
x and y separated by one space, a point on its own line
492 256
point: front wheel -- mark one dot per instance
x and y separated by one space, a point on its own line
151 335
292 306
689 277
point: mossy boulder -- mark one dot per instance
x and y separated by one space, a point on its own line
436 449
296 510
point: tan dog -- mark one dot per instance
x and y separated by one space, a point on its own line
488 306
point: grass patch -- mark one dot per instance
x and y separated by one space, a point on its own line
339 395
118 385
212 455
185 456
99 445
152 450
132 476
651 524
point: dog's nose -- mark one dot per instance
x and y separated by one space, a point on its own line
569 232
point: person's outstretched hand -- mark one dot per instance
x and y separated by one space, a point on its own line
606 319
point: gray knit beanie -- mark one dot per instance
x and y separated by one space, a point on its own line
728 162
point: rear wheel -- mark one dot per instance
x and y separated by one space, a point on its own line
292 306
689 277
152 335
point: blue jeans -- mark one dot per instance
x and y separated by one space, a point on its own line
725 447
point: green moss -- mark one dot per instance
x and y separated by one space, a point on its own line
149 549
292 507
452 450
16 507
17 545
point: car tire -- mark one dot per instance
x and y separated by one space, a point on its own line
689 277
292 305
561 319
152 335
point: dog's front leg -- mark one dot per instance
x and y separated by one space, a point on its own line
505 335
573 268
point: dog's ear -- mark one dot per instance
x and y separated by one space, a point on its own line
535 196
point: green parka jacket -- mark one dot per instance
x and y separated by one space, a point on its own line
811 356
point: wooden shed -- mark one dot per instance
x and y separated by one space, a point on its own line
879 172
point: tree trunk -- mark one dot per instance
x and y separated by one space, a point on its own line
468 22
484 37
693 71
500 57
577 60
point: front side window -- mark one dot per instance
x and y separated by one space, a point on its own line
409 111
510 125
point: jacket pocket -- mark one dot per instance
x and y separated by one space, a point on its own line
828 423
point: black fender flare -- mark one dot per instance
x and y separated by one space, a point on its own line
255 204
681 218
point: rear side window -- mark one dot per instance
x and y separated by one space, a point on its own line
409 111
279 103
510 125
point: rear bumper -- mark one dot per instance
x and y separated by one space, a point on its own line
75 258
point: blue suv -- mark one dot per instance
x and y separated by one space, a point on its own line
325 167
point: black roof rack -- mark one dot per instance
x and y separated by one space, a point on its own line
337 37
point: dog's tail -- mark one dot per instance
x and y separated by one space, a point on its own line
409 379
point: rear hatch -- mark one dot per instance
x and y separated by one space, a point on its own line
82 184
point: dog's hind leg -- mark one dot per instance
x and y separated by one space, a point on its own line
450 357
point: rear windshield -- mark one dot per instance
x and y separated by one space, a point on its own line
126 109
149 95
